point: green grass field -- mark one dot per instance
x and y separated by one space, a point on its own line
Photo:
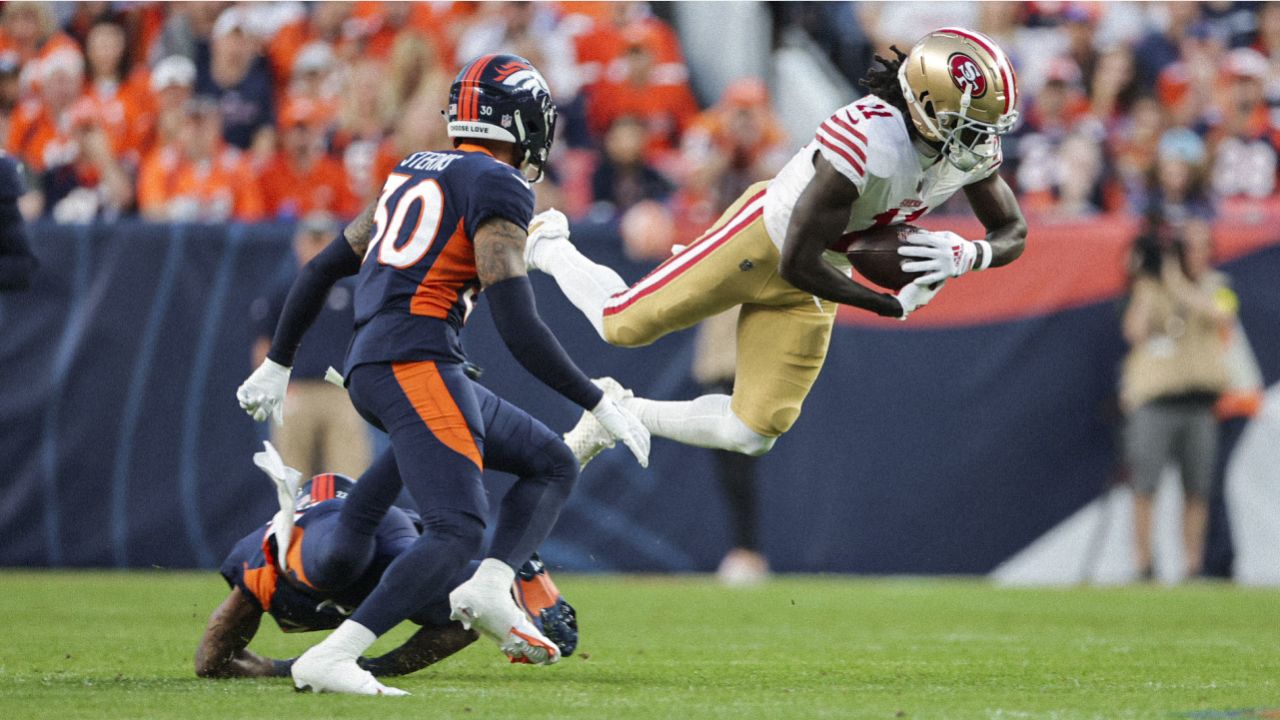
102 645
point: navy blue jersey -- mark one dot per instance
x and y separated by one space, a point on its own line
289 597
419 278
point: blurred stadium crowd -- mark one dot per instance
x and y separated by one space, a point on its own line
210 111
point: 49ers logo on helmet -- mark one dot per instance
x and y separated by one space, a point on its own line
964 71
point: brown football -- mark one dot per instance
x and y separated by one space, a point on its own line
874 254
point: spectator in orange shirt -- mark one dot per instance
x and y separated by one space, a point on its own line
172 84
314 79
601 50
665 107
365 117
323 24
199 178
39 131
65 146
30 30
302 179
736 143
114 94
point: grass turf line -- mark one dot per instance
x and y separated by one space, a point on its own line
117 645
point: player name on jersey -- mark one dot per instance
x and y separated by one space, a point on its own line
428 161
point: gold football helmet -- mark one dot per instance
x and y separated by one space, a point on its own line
962 93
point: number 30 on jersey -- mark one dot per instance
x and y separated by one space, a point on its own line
395 246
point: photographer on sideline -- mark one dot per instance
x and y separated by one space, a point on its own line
1179 315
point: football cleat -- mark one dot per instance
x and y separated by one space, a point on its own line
324 670
492 611
589 438
536 593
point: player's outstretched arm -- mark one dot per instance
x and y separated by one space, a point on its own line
819 218
426 647
499 251
262 394
223 652
997 209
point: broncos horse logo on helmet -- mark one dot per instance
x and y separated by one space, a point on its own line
503 97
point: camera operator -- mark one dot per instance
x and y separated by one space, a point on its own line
1179 315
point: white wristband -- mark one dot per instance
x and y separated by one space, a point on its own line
986 254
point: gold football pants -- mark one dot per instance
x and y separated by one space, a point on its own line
783 333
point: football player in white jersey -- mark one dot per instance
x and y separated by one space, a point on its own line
931 126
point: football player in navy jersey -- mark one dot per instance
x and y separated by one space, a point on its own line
319 582
447 225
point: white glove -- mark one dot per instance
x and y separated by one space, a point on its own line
916 295
623 425
943 255
287 480
548 224
262 394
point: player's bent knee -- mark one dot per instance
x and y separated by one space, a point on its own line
619 333
748 441
462 530
757 444
562 463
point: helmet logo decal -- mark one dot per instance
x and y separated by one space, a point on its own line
523 76
965 72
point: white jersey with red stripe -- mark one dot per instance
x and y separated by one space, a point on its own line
867 141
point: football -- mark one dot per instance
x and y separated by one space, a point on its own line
874 254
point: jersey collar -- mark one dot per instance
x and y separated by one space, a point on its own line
468 147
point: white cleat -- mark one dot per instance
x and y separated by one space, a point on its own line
492 611
322 670
588 438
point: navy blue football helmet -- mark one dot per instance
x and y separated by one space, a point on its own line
504 97
326 486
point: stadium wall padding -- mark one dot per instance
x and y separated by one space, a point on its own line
944 448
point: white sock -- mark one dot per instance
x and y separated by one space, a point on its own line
351 638
705 421
493 571
588 285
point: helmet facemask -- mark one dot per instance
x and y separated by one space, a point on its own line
968 142
534 137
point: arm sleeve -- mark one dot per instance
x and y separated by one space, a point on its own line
515 314
307 296
499 193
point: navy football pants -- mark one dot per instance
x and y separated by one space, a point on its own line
444 430
347 577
